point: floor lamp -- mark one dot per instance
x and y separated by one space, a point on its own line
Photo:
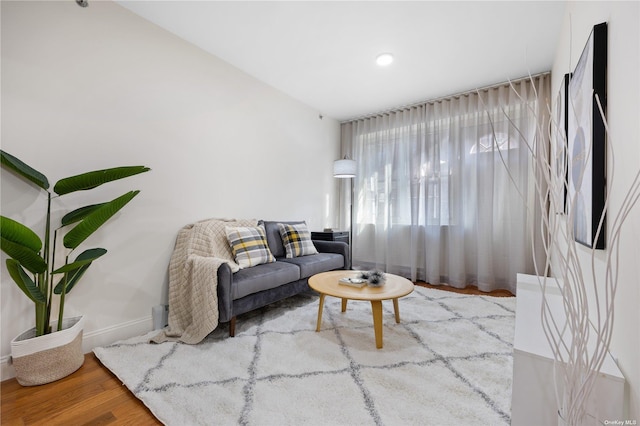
346 169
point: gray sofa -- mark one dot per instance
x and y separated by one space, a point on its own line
260 285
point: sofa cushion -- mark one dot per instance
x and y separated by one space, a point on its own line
273 236
263 277
314 264
249 245
296 240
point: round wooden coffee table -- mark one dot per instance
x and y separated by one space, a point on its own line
326 283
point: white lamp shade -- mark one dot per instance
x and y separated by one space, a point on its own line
344 168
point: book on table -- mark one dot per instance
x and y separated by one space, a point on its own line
353 282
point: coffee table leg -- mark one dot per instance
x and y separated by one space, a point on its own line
396 310
344 305
376 308
320 307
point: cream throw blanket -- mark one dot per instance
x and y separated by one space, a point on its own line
200 249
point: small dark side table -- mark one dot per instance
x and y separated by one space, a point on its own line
331 236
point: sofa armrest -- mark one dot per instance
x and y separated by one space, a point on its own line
338 247
225 300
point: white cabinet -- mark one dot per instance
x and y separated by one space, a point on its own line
533 400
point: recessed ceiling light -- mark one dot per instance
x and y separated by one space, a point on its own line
384 59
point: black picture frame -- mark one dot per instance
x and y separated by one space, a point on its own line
561 134
587 141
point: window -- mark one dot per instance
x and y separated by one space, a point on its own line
440 186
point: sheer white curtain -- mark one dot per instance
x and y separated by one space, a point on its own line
433 197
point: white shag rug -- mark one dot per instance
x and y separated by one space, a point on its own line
449 362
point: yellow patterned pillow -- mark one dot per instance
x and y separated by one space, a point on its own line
249 246
296 240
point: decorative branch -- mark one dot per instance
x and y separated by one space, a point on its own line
576 363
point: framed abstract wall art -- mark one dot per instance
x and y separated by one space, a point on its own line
561 136
587 141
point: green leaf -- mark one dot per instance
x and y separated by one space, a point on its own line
25 282
79 214
22 244
74 276
24 255
95 220
19 234
91 254
72 280
84 258
96 178
24 170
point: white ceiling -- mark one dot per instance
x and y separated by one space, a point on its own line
323 53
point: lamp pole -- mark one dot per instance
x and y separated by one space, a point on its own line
346 169
351 224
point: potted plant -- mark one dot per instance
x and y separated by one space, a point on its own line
53 349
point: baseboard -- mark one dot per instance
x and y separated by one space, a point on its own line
6 370
108 335
93 339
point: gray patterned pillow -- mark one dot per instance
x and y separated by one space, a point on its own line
249 246
296 240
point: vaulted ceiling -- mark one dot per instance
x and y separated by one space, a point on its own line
323 52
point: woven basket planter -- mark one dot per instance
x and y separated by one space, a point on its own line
47 358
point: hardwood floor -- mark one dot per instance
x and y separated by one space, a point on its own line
94 396
90 396
467 290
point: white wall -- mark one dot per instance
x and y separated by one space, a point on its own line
623 113
97 87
